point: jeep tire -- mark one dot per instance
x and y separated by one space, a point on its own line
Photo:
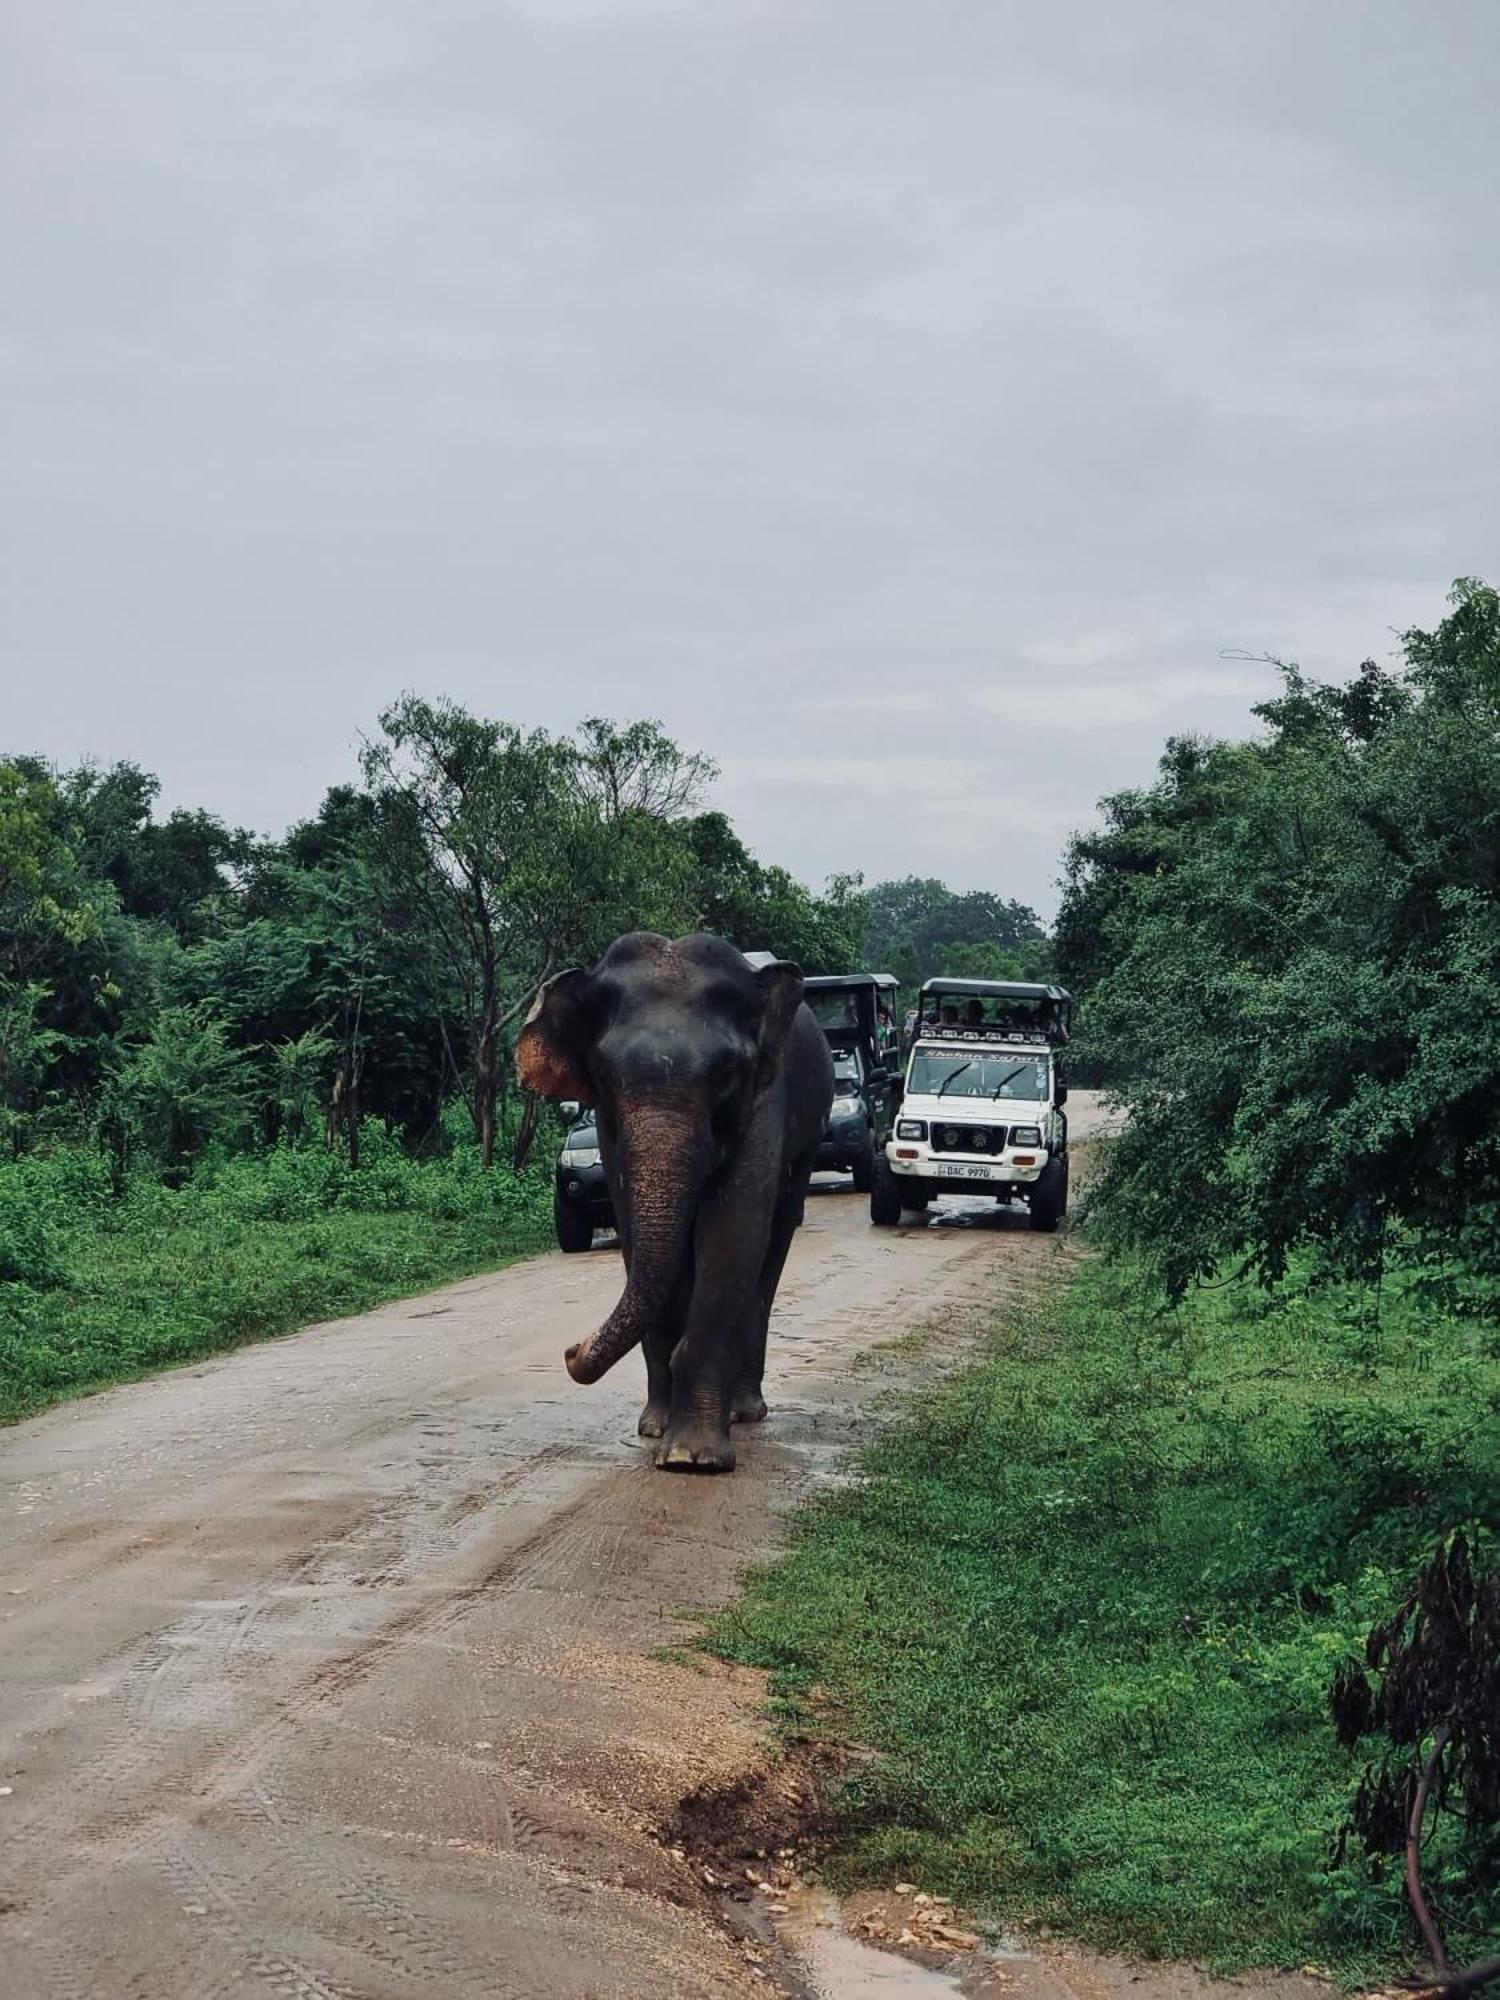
885 1196
574 1229
1049 1197
863 1166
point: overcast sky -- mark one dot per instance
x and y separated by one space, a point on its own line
906 402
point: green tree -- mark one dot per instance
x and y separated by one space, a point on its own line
635 769
511 855
181 1090
300 1081
379 955
176 871
766 909
1031 960
325 945
52 923
466 824
913 925
1292 950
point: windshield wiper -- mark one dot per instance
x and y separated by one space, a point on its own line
951 1075
1007 1079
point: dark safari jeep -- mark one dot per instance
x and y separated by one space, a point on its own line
580 1197
858 1012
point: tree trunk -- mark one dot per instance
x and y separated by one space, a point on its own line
525 1133
342 1114
485 1080
484 1094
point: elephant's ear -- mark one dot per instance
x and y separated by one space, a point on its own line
552 1049
780 996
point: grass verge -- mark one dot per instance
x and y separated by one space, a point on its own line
1086 1598
98 1288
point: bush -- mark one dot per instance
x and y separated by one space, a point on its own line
30 1252
96 1288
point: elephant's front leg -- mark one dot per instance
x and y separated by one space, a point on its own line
747 1403
658 1347
708 1362
705 1367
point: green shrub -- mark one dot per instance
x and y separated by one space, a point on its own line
95 1288
31 1209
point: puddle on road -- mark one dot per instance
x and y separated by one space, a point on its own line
841 1967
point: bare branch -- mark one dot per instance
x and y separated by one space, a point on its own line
1414 1825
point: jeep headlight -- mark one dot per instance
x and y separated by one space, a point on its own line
584 1156
911 1128
1026 1135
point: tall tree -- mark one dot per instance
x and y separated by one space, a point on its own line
175 871
766 909
468 816
60 950
914 923
1293 946
636 768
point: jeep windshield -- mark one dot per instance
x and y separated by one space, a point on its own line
953 1073
846 1077
837 1007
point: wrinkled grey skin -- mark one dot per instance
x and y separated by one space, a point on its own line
712 1084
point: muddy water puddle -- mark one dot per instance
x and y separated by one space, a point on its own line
841 1966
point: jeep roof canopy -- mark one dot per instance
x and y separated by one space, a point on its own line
997 989
854 1008
830 982
1021 1004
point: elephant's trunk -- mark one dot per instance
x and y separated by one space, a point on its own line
663 1155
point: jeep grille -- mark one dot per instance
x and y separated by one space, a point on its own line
967 1138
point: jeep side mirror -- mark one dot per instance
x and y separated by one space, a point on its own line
570 1108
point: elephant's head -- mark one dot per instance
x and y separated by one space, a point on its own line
673 1042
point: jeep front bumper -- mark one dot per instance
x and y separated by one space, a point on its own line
917 1160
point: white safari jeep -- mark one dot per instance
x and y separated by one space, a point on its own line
981 1106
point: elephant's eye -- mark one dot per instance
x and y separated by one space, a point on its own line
729 1080
723 1121
724 1072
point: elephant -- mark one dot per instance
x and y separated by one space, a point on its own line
712 1084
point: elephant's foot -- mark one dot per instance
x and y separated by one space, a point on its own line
653 1421
695 1451
748 1406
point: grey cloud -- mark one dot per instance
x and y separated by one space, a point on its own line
796 373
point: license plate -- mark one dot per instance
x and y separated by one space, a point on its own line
962 1170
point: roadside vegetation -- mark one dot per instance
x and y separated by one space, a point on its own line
103 1285
1086 1600
1091 1605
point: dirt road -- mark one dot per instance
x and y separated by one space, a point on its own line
333 1668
